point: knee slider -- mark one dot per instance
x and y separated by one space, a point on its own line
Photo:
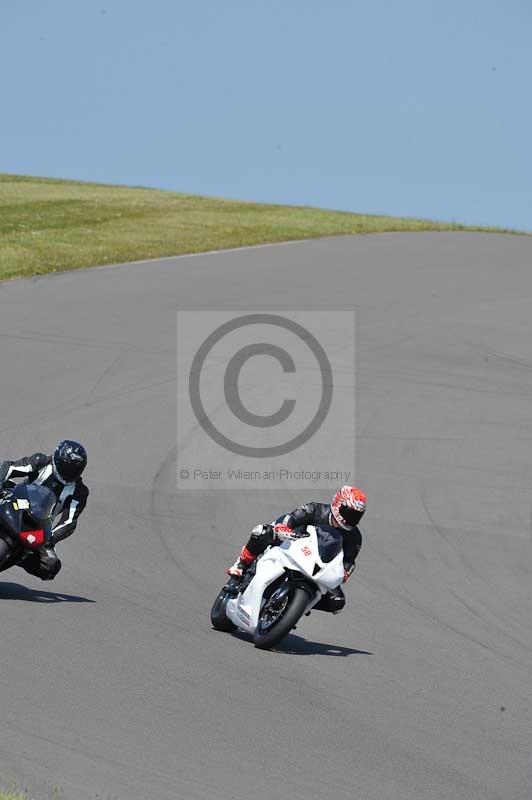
261 530
336 602
50 568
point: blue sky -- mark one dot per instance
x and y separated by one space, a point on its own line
411 108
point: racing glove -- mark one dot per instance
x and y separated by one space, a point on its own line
348 571
284 533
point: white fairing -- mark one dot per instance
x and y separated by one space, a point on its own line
301 555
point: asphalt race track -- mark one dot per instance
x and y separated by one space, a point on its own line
113 683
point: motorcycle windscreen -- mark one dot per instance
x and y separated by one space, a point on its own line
330 542
37 502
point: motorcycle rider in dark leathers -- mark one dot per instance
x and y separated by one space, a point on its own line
344 513
61 474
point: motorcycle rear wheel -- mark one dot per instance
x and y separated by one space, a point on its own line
293 611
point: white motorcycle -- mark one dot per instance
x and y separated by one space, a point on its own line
281 586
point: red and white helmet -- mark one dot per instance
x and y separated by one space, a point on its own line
348 506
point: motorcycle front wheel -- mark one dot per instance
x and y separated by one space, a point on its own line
5 552
279 616
219 618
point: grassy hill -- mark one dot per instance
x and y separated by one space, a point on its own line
48 225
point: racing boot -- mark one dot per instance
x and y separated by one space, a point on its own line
243 561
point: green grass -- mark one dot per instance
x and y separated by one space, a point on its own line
49 225
10 792
13 795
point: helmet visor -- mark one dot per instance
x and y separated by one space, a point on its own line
68 471
350 516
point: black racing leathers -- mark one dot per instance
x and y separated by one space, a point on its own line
71 499
310 514
313 514
320 514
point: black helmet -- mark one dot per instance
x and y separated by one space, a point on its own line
69 460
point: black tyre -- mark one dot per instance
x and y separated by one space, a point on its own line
5 552
219 618
271 632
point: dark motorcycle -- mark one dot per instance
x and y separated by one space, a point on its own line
25 521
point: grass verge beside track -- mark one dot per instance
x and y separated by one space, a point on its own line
13 795
49 225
